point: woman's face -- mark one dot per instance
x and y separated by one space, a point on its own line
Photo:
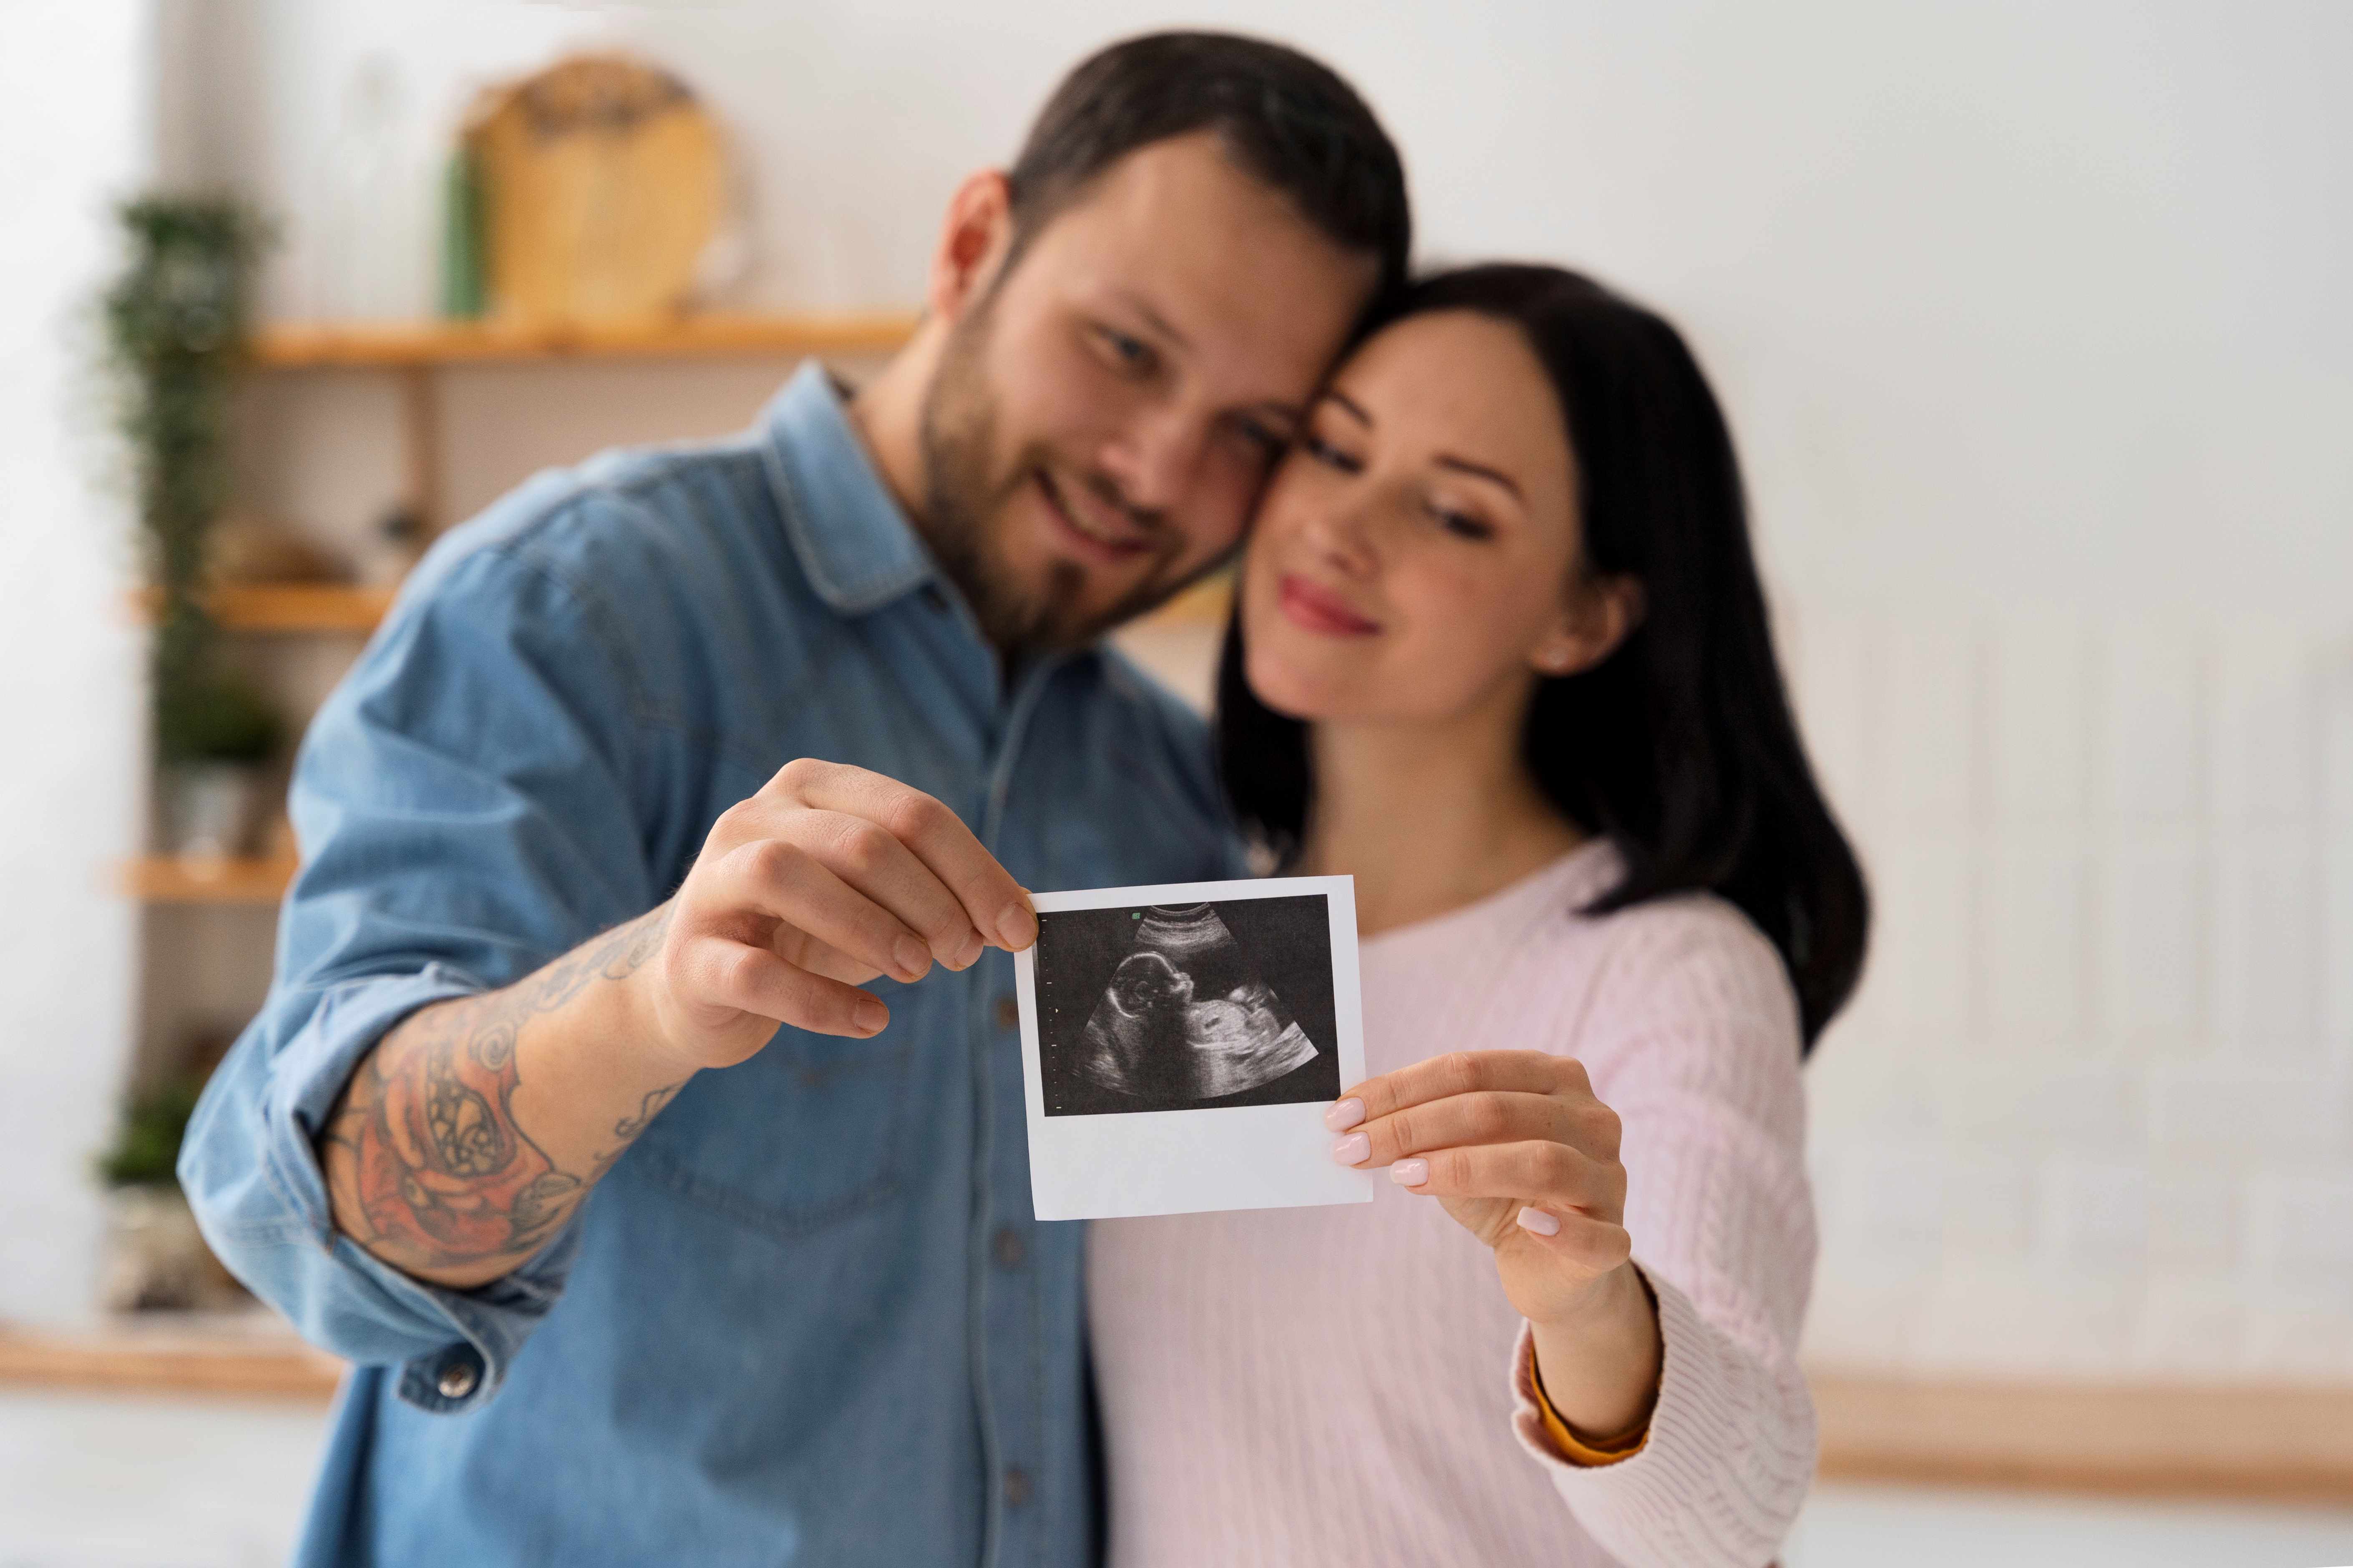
1414 556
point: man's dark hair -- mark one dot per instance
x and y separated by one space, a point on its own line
1284 119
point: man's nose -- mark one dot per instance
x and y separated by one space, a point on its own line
1156 458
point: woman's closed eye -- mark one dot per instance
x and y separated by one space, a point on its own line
1460 523
1330 455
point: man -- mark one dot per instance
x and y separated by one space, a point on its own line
807 1315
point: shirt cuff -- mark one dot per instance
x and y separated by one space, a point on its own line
481 1328
1527 1383
308 1076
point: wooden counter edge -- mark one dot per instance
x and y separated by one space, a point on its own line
272 1366
2269 1443
2257 1442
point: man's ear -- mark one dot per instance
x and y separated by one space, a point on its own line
1602 613
974 240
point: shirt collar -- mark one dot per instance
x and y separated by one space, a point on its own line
854 543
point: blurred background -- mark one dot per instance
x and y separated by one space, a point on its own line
2034 327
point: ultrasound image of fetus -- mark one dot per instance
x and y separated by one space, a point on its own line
1187 1017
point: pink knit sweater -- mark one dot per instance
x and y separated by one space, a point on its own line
1349 1387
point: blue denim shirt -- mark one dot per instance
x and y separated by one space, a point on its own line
808 1318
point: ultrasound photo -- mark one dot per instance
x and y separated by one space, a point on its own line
1180 1043
1186 1006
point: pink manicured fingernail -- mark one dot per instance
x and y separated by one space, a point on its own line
1540 1222
1410 1173
913 956
1345 1114
1353 1150
871 1015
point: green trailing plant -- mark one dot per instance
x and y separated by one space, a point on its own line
147 1147
175 329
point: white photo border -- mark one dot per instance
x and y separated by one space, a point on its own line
1184 1162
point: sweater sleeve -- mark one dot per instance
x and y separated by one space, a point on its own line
1690 1035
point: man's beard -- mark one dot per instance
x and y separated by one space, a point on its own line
965 502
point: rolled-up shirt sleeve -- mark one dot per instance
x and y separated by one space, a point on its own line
468 807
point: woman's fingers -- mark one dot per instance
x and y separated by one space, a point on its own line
1534 1171
1484 1116
1467 1072
1592 1244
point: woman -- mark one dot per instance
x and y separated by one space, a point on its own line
1500 652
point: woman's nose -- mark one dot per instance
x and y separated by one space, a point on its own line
1341 534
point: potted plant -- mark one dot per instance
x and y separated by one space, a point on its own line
175 324
216 739
156 1258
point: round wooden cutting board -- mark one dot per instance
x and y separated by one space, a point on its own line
602 181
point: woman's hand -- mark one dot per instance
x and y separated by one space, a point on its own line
1516 1148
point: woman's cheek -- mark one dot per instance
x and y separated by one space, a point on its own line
1465 629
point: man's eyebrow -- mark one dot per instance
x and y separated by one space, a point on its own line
1153 318
1466 466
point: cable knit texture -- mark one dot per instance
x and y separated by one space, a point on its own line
1330 1385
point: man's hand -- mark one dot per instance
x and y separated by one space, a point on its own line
472 1131
827 878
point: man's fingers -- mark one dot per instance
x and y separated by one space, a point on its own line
773 877
1536 1171
870 860
753 980
991 899
1465 1072
803 950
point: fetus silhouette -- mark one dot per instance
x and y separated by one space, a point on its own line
1186 1016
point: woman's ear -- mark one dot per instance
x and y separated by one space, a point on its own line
1602 613
974 239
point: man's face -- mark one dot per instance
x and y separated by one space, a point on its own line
1105 413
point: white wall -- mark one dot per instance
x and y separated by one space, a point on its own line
2032 323
2010 301
73 134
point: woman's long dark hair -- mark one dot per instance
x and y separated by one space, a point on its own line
1679 747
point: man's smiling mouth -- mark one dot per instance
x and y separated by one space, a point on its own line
1112 539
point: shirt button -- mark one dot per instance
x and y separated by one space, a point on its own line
1008 1247
1008 1013
1017 1485
459 1378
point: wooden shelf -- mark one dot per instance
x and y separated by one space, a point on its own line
289 607
338 607
365 345
164 1357
2271 1442
165 880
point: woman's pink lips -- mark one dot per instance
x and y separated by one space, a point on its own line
1317 611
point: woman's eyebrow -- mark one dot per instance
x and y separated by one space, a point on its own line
1334 395
1466 466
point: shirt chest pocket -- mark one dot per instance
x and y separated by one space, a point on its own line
811 1131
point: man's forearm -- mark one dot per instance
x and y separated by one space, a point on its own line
472 1131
